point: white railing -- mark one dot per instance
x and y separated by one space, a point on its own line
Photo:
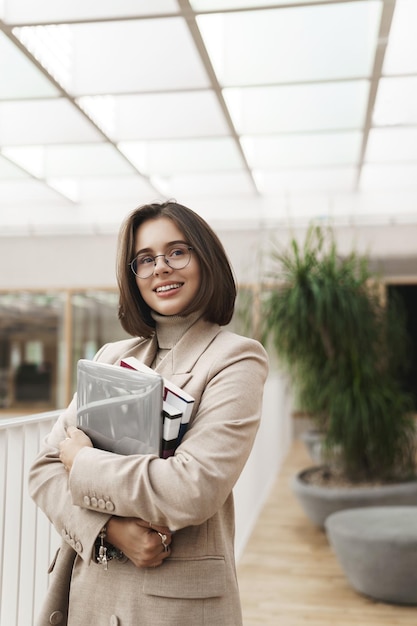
27 539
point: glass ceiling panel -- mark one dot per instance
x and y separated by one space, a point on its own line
396 101
19 77
17 193
51 47
28 11
401 53
261 47
221 183
9 170
115 189
163 158
85 160
376 177
302 150
332 179
125 58
293 108
149 116
44 122
66 161
29 158
214 5
295 75
392 144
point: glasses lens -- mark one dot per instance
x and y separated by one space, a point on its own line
176 257
143 265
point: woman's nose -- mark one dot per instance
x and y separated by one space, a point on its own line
160 264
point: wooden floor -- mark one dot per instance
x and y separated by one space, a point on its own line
288 575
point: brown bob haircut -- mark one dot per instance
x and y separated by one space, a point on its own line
217 293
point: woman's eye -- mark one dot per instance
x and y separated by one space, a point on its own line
144 260
176 252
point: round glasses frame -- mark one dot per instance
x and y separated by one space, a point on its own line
146 269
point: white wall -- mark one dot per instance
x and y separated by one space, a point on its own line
269 451
42 261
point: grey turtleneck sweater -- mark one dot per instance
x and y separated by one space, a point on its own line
169 330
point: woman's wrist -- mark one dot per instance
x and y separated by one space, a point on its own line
104 551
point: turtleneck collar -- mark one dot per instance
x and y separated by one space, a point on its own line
170 328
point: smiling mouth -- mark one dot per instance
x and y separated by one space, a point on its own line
168 287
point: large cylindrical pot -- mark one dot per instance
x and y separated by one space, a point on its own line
319 501
376 549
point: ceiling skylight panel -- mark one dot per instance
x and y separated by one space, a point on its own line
44 122
29 158
401 53
332 179
392 144
19 77
393 176
222 5
28 11
164 158
32 193
101 110
8 170
209 184
287 151
67 187
396 102
52 47
293 44
292 108
135 56
129 188
86 160
151 116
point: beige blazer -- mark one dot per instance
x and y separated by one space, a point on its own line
191 493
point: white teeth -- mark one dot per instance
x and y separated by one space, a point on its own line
168 287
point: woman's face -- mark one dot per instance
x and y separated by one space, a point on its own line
167 291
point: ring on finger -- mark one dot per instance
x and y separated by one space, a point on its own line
163 540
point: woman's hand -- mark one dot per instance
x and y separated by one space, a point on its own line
71 445
140 542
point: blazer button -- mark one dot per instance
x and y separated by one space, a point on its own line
109 506
86 501
114 621
78 546
93 501
101 504
56 617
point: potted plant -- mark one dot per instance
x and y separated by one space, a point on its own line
343 346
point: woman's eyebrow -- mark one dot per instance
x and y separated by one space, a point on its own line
167 245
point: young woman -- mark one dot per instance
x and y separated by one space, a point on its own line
167 524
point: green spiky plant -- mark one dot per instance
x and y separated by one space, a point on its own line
342 348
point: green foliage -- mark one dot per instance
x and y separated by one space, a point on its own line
342 349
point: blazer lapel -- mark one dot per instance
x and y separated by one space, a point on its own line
145 351
177 366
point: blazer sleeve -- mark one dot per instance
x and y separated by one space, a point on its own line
191 486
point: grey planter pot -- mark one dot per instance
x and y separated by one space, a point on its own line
319 502
376 549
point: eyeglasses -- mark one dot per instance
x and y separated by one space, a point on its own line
177 257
